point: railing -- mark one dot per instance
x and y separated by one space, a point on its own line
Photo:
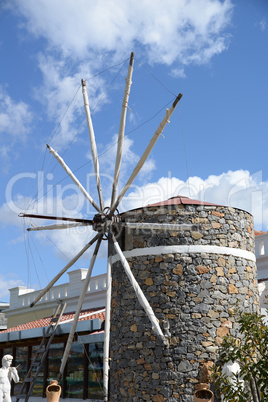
97 284
3 319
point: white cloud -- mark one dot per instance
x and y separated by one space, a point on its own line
238 189
4 151
58 91
71 205
129 161
8 282
83 37
178 72
15 119
167 31
66 242
263 25
147 169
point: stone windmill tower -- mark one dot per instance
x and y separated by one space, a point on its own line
195 278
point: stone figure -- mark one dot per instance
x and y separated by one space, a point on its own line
7 374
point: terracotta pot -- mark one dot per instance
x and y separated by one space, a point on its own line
53 391
202 385
203 394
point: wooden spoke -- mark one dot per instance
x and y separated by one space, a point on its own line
139 293
92 142
72 262
57 218
73 177
79 306
146 153
122 128
107 325
56 226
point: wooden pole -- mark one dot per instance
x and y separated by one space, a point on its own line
72 262
145 154
122 128
52 227
73 177
92 142
57 218
79 306
106 346
139 293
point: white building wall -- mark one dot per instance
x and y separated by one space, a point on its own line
261 251
21 297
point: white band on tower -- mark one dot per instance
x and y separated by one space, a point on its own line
191 249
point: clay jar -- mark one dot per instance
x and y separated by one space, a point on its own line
203 394
53 391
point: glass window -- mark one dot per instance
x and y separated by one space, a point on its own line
21 364
95 359
7 351
54 361
39 383
261 248
75 371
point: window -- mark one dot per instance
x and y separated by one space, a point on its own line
75 372
39 383
83 377
95 375
21 364
54 361
261 248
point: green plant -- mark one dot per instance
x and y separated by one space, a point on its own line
250 350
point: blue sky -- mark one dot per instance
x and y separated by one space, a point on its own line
214 149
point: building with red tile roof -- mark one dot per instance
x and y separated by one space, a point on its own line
83 374
259 233
85 315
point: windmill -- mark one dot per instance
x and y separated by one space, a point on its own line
106 223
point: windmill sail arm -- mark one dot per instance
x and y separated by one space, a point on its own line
73 177
139 293
70 263
92 142
107 326
79 306
122 127
146 153
56 226
57 218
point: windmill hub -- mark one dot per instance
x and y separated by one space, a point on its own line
103 223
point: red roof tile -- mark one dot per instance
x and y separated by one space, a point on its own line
259 232
180 199
44 322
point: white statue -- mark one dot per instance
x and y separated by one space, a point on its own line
231 370
7 374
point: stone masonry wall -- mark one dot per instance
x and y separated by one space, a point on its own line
197 293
